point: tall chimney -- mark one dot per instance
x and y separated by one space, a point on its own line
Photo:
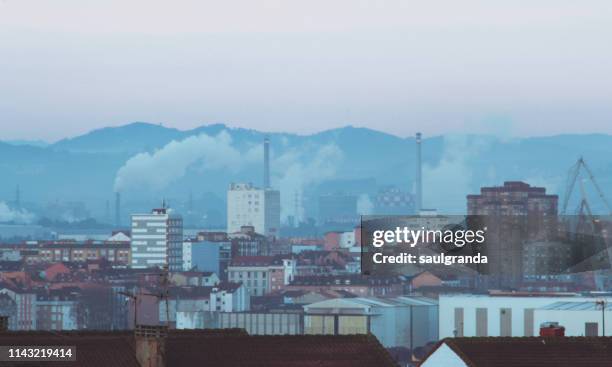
117 209
150 345
266 178
107 212
419 176
18 198
4 323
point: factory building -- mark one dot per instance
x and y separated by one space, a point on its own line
399 321
579 318
259 208
514 314
248 205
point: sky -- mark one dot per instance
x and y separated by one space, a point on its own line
518 68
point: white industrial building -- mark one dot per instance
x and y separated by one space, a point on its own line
248 205
578 318
503 313
157 240
262 323
401 321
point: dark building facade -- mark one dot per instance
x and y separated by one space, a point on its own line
514 214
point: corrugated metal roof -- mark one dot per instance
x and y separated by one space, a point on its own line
576 306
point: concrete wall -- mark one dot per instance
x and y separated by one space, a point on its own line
263 323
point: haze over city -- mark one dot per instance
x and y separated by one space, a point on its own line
246 183
398 66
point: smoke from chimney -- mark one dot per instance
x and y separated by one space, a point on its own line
418 176
266 178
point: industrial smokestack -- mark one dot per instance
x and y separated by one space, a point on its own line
266 178
117 209
419 176
107 212
18 198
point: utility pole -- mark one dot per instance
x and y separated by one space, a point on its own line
602 303
134 298
165 293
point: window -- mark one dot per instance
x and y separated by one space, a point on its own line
458 322
528 318
481 322
505 322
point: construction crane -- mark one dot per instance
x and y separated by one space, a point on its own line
584 210
573 175
584 213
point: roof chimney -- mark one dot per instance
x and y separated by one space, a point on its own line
551 329
4 324
151 345
266 178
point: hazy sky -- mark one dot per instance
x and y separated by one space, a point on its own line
506 67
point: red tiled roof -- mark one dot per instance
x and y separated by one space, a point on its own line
219 348
280 351
258 260
345 279
252 261
532 351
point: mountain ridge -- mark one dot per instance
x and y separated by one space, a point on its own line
83 168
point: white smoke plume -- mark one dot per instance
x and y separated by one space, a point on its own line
446 185
365 205
293 169
14 215
157 170
321 164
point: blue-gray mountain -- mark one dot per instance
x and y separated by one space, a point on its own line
357 160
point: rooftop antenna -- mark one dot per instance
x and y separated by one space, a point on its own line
164 295
135 299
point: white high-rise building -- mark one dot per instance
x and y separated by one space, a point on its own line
251 206
157 240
